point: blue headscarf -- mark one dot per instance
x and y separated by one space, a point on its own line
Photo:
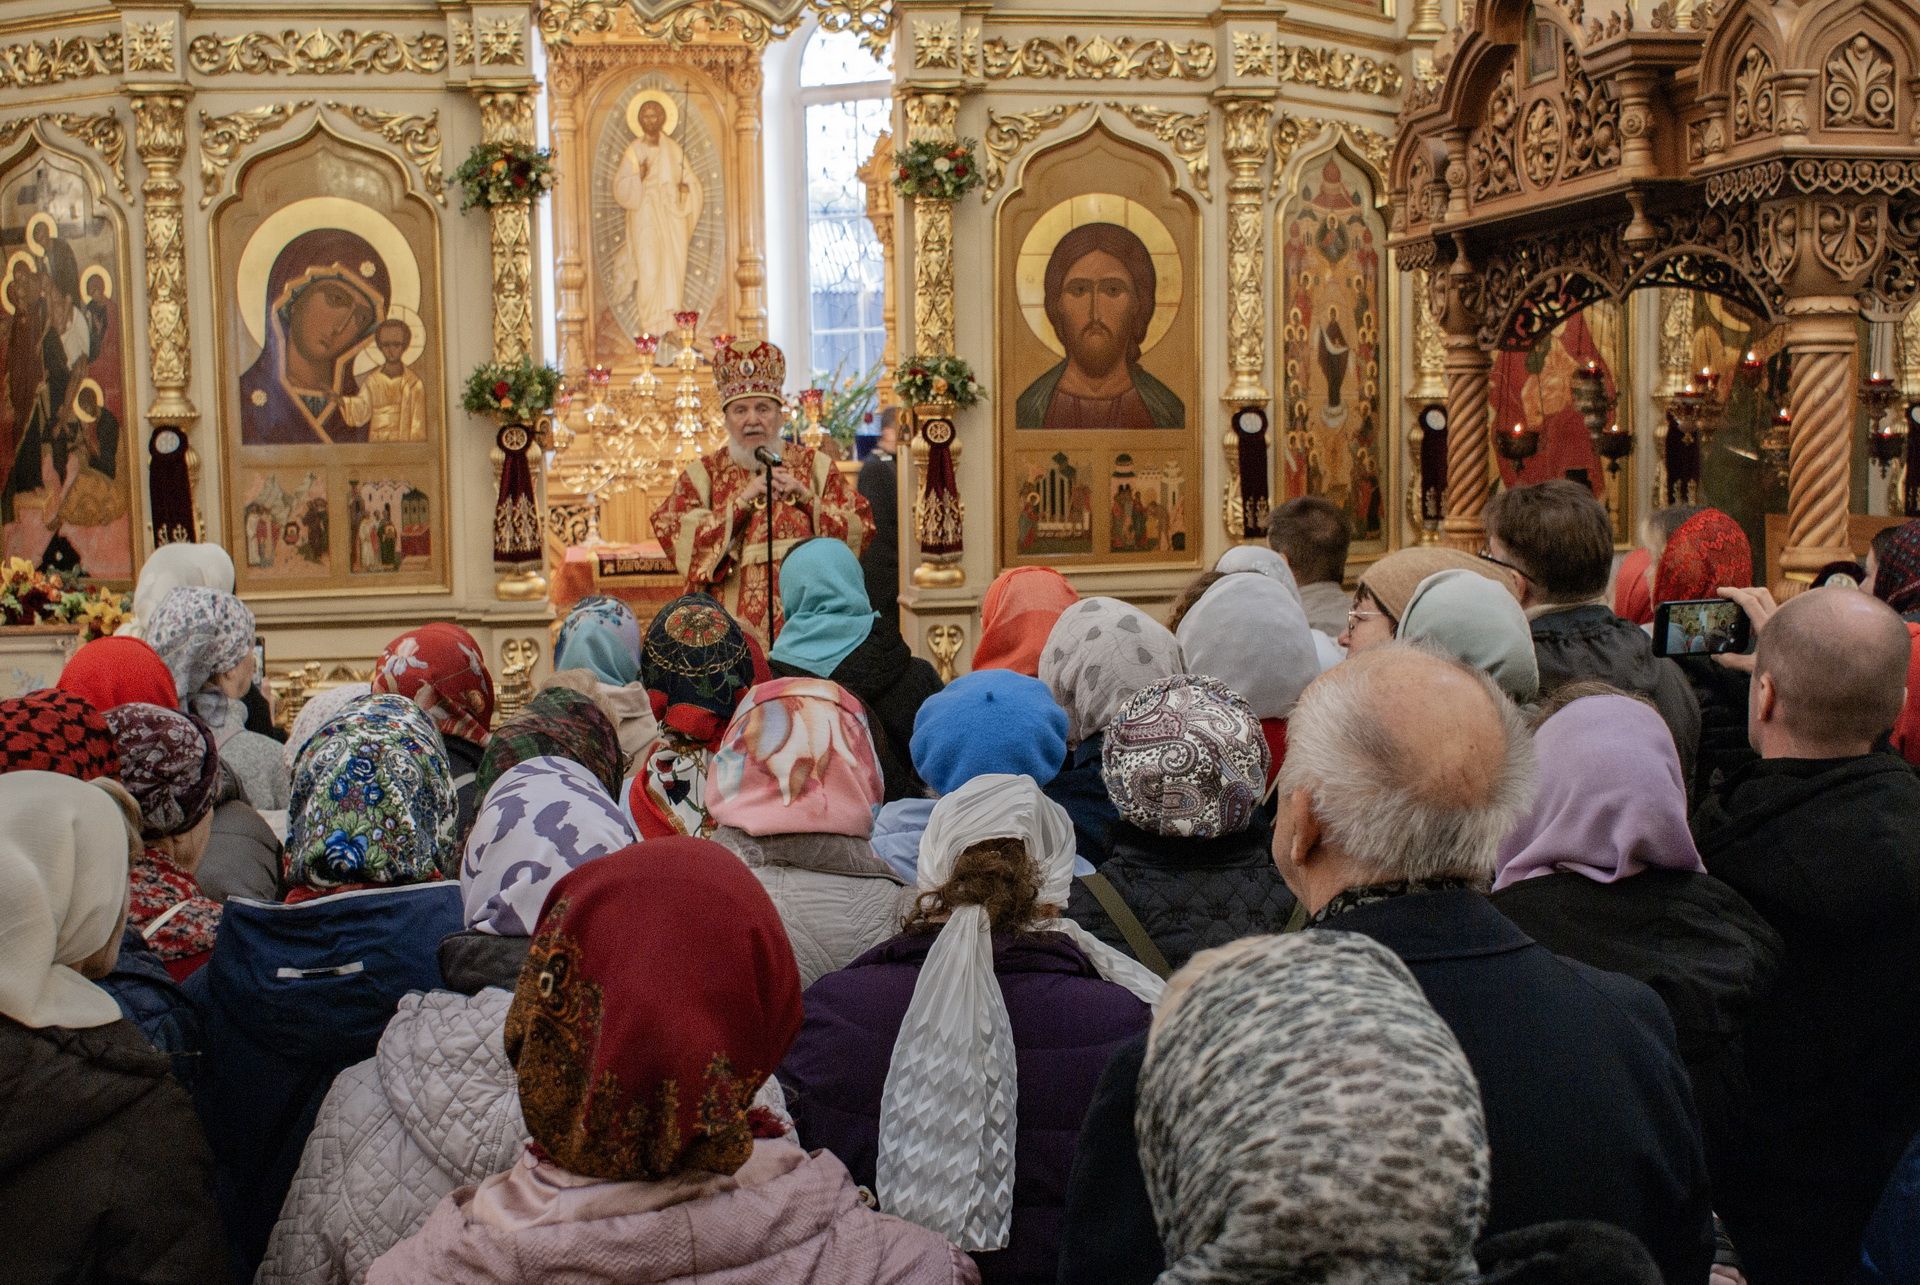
824 596
602 635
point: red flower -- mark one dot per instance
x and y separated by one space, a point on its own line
903 172
960 171
519 180
502 388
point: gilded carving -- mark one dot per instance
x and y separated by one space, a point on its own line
317 53
1185 132
417 136
1245 147
937 44
932 117
561 19
222 138
160 137
1593 124
1490 152
1008 132
1100 58
1847 238
1753 95
1540 143
1253 53
498 42
686 24
149 46
871 20
506 116
1289 132
1676 339
460 30
1429 351
34 63
106 135
1859 90
945 641
1339 70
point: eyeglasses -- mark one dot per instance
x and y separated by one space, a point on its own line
1486 555
1355 616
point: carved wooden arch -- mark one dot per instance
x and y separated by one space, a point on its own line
1862 65
1816 29
1701 267
1096 121
1731 37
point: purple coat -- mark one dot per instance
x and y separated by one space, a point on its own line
1067 1021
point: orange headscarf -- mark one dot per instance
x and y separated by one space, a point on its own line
1632 599
1016 617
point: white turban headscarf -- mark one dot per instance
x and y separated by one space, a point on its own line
947 1113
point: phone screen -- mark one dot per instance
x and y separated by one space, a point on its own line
1700 627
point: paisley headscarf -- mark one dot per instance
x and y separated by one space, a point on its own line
200 633
1017 614
1100 652
601 635
1896 576
1186 759
439 667
1708 553
544 817
372 801
169 763
1305 1116
119 671
824 596
54 731
659 995
557 722
798 758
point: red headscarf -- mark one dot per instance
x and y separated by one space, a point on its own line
1017 615
659 995
1896 578
439 667
1708 553
110 672
55 731
1632 600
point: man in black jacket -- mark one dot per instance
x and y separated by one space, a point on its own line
1556 538
1820 836
1390 830
879 483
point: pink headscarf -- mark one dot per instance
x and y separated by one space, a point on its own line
797 759
1611 802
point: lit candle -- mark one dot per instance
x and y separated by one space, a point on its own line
646 344
723 340
687 319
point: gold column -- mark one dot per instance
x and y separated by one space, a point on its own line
1822 340
569 266
877 176
932 118
751 272
1469 456
1245 147
1427 20
160 138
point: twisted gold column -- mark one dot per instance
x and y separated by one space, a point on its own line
1469 459
1821 338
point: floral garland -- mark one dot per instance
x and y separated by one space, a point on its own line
943 171
29 597
503 174
511 392
936 379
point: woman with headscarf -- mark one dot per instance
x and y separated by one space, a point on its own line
170 765
1380 599
1893 576
558 722
1191 864
119 671
1632 587
1704 552
832 631
206 638
907 1066
1251 633
208 566
599 644
1101 652
1017 614
793 787
297 992
440 668
696 664
992 720
1604 870
103 1169
49 730
1477 622
1260 560
658 997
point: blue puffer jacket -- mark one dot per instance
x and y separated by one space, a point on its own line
292 996
156 1005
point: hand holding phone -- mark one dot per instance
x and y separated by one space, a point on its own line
1701 627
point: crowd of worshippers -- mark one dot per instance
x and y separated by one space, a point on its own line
1436 932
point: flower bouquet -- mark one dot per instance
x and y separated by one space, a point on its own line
513 393
944 171
31 597
918 380
502 174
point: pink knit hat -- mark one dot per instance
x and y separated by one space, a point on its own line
797 759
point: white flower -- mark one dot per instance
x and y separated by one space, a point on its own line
942 164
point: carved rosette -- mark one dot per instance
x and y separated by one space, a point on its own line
160 138
1245 147
506 116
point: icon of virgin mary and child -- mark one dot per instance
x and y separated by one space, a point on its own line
328 297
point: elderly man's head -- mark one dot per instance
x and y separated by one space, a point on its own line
1401 764
1830 675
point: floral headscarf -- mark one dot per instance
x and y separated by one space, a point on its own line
557 722
1896 578
372 800
659 995
1708 553
439 668
169 762
119 671
546 816
316 714
54 731
797 759
202 632
1186 759
600 634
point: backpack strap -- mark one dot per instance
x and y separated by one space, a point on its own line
1138 940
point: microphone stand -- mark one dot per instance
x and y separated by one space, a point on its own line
767 460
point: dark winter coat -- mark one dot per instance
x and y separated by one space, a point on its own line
104 1175
1066 1021
1189 894
472 961
1081 789
1706 953
1592 644
1826 851
463 760
292 996
242 857
1890 1254
156 1005
892 683
1589 1116
879 483
1722 694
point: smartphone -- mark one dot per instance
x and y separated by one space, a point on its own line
1700 627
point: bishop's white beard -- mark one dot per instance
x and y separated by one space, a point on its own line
743 456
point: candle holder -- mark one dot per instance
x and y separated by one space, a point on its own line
1517 445
812 403
1614 443
1697 408
1776 444
1592 400
1885 437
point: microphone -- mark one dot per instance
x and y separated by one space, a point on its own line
769 457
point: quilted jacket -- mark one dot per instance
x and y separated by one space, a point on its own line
836 899
433 1110
1189 894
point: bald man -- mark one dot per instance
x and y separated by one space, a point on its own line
1404 771
1822 836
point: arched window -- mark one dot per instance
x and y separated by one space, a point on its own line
846 104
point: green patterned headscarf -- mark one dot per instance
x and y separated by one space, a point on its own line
372 800
561 723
